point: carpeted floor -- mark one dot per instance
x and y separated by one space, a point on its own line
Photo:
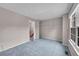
39 47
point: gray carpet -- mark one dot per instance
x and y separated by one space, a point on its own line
39 47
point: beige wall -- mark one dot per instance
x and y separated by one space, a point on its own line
14 29
51 29
65 29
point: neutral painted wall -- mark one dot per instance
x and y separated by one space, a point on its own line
14 29
51 29
65 29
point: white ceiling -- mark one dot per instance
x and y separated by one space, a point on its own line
39 11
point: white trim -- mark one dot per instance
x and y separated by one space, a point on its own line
76 7
74 46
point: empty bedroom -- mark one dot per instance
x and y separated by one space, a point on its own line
39 29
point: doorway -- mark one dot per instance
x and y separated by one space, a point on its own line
32 31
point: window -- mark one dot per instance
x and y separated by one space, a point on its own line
73 28
78 36
73 34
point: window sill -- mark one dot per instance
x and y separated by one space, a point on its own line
75 47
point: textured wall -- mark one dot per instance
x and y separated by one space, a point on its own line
51 29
